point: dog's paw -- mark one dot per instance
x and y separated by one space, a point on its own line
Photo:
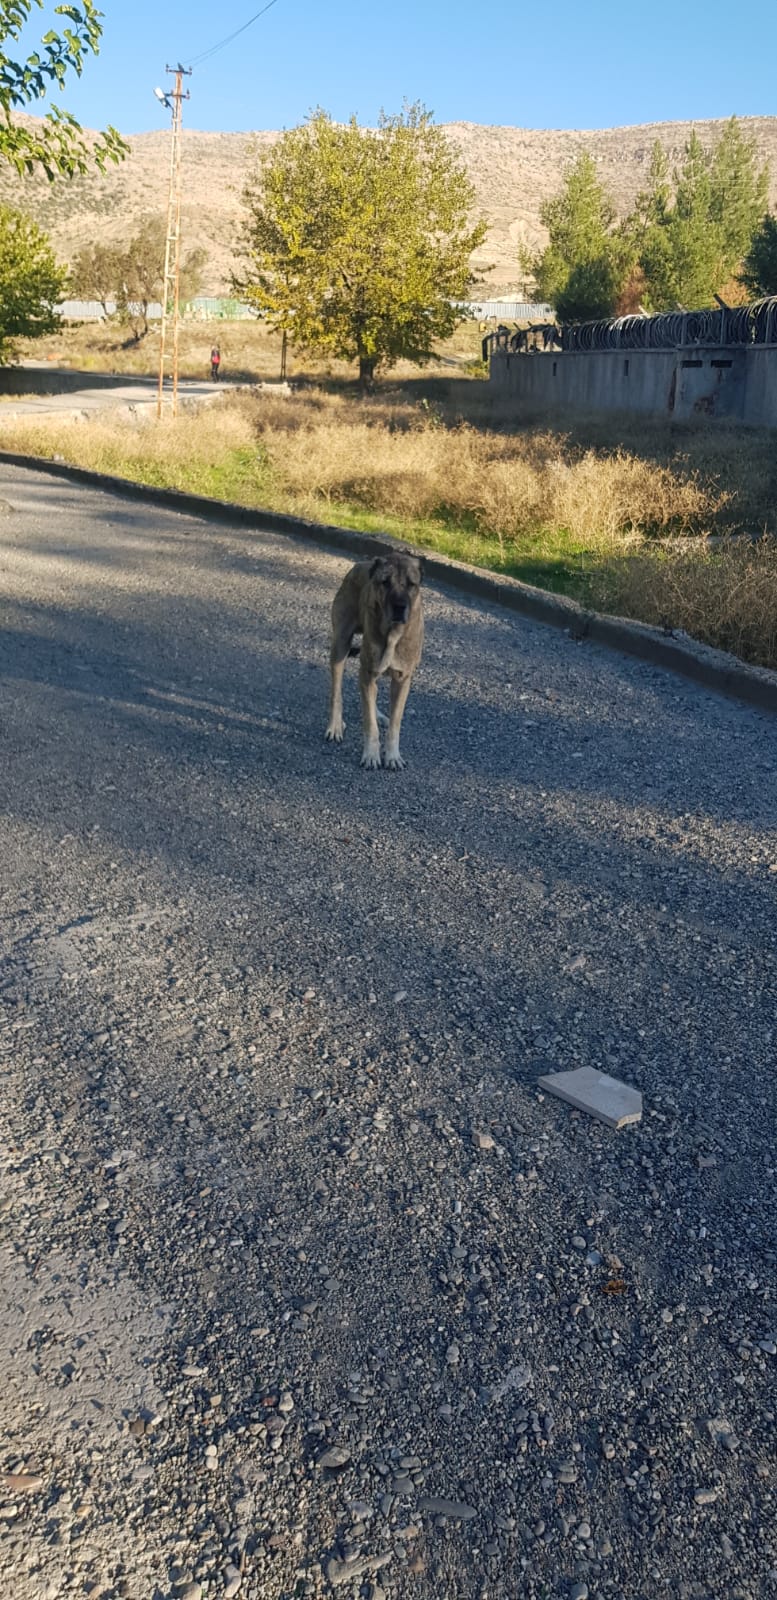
393 762
334 732
371 760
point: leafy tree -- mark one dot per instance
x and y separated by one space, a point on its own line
586 261
56 144
759 268
96 274
739 191
691 244
32 282
140 271
358 241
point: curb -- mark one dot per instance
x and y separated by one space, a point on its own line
713 669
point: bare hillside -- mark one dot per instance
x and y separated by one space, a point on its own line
513 171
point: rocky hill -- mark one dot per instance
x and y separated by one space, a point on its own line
513 171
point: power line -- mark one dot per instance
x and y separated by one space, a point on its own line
206 54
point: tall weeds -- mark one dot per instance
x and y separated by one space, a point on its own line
675 527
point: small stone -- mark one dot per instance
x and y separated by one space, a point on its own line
455 1510
22 1482
594 1258
483 1141
286 1402
608 1449
584 1530
190 1591
400 995
452 1355
335 1459
310 994
579 1591
567 1473
768 1346
705 1497
722 1433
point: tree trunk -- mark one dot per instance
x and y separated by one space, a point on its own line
366 373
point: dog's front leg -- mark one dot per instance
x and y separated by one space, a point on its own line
337 660
371 744
400 689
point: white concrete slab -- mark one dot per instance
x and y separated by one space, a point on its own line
602 1097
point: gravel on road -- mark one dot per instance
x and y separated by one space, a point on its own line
307 1288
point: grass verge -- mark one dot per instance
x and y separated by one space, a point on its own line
646 521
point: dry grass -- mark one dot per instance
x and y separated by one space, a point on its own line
726 596
419 463
249 351
619 515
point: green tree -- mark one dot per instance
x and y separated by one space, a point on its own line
32 282
587 259
96 274
689 244
358 241
759 268
739 191
56 144
140 274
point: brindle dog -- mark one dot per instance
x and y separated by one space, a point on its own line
381 600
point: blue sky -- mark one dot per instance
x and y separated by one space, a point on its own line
567 66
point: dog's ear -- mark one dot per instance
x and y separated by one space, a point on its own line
375 566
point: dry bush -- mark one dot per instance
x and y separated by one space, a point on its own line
170 452
406 461
725 595
625 525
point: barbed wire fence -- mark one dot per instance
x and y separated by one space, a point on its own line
668 330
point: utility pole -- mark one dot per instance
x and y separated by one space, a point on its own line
173 99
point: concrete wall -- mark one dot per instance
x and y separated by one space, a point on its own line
760 405
737 383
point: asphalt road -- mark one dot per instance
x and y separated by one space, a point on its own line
71 391
306 1287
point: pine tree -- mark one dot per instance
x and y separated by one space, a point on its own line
690 244
759 268
587 260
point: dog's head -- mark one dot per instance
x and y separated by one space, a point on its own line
396 582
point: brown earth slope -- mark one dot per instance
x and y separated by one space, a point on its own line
513 171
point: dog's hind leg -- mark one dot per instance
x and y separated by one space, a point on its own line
400 689
371 740
337 659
